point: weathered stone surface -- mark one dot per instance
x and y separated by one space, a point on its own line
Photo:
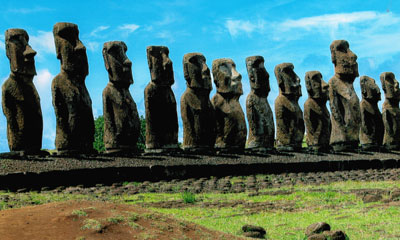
259 113
197 113
160 103
391 111
371 132
121 118
20 100
289 117
231 127
318 227
343 100
71 100
316 114
335 235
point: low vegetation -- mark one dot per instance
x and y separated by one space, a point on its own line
284 212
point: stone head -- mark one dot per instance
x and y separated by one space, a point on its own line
343 58
369 89
258 75
70 49
317 88
226 78
118 65
196 71
390 85
288 81
160 65
19 52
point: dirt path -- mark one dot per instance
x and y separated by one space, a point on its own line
86 220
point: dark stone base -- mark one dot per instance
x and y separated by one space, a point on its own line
345 147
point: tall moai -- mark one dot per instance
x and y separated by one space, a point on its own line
197 113
259 114
316 114
160 103
343 100
71 100
289 117
391 111
231 125
121 118
20 100
371 131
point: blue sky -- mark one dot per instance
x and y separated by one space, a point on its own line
281 31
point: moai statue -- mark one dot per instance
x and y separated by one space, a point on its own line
343 100
71 100
316 114
391 111
20 100
289 117
121 118
160 103
196 110
259 113
231 125
371 132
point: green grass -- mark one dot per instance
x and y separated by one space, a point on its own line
284 216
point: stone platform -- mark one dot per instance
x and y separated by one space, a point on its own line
34 172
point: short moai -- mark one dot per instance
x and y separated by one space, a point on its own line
289 117
316 114
71 100
391 111
343 100
231 125
371 132
259 114
160 103
121 118
197 113
20 100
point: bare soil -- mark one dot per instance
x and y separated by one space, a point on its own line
95 220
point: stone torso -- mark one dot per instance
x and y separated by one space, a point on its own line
21 106
261 122
318 124
121 119
391 119
345 109
231 126
161 116
198 119
289 122
371 131
73 107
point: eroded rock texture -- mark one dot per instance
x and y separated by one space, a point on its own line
316 114
391 111
160 103
121 118
196 110
289 117
20 100
71 100
259 113
371 132
231 125
343 100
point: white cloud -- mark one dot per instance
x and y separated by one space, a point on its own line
129 28
166 35
330 20
43 81
237 26
29 10
43 42
98 29
92 46
2 45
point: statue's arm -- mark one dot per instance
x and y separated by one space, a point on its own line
387 122
9 109
60 109
337 108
